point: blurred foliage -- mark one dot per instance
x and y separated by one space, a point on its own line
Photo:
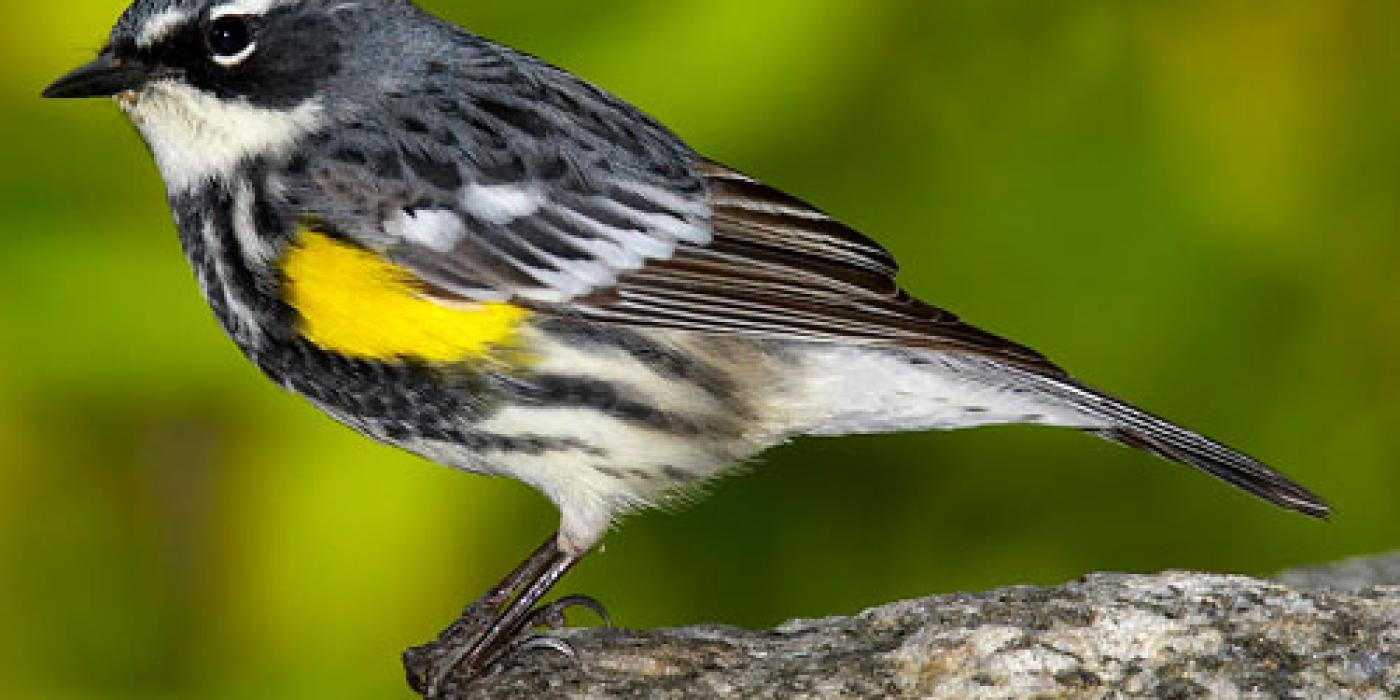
1194 204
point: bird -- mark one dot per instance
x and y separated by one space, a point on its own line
465 252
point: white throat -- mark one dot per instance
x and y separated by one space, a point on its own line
197 138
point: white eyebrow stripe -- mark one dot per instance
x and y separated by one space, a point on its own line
251 8
159 26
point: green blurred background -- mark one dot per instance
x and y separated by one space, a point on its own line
1194 204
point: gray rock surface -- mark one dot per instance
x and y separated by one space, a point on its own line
1350 575
1173 635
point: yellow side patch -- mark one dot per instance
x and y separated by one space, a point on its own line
355 303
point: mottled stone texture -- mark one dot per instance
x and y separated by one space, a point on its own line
1350 575
1174 635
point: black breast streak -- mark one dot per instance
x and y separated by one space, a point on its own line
610 399
665 361
411 400
407 403
221 264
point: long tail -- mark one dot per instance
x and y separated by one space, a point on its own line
1180 445
855 390
1131 426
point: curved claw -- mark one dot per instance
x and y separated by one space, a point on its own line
544 642
551 616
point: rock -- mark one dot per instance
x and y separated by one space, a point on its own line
1173 635
1350 575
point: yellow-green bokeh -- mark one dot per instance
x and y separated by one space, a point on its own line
1193 204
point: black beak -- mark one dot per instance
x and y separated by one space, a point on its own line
104 77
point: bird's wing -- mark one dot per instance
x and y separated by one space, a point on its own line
501 178
509 180
778 267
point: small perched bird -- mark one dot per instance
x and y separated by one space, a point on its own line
462 251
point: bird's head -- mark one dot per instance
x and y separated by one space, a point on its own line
213 83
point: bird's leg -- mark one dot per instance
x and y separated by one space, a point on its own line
497 624
495 600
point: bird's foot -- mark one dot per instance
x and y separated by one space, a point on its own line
501 624
463 655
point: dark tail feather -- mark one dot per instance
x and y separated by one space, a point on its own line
1180 445
1134 427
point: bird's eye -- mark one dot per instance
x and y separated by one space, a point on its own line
229 36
